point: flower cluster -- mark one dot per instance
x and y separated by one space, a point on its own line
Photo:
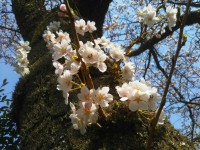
140 95
99 53
147 15
90 101
82 27
22 50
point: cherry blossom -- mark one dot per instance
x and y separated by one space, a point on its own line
89 54
171 16
81 27
85 94
128 70
91 26
22 49
85 115
59 67
65 81
101 96
116 52
148 15
100 63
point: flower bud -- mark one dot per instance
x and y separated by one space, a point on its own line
63 7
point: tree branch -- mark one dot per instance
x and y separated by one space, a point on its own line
193 17
182 3
11 29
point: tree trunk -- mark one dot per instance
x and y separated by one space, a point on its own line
39 110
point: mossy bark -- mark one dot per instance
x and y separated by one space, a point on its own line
39 110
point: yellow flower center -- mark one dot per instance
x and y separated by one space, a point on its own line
87 97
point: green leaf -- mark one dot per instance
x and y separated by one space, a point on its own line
5 82
3 98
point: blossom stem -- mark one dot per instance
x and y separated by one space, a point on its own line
92 39
75 83
76 39
102 112
75 89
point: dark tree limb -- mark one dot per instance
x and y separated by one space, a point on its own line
28 14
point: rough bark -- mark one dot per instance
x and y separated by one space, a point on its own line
39 110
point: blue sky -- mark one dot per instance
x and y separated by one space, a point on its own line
12 77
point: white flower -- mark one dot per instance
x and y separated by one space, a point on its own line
75 66
65 81
77 122
21 53
59 67
81 27
85 94
128 70
150 16
103 42
171 13
61 49
153 98
136 85
63 36
23 62
123 91
48 36
138 100
85 115
171 17
153 95
89 54
91 26
147 15
101 96
100 63
22 70
116 52
88 112
23 46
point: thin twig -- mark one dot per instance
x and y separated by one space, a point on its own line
174 60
